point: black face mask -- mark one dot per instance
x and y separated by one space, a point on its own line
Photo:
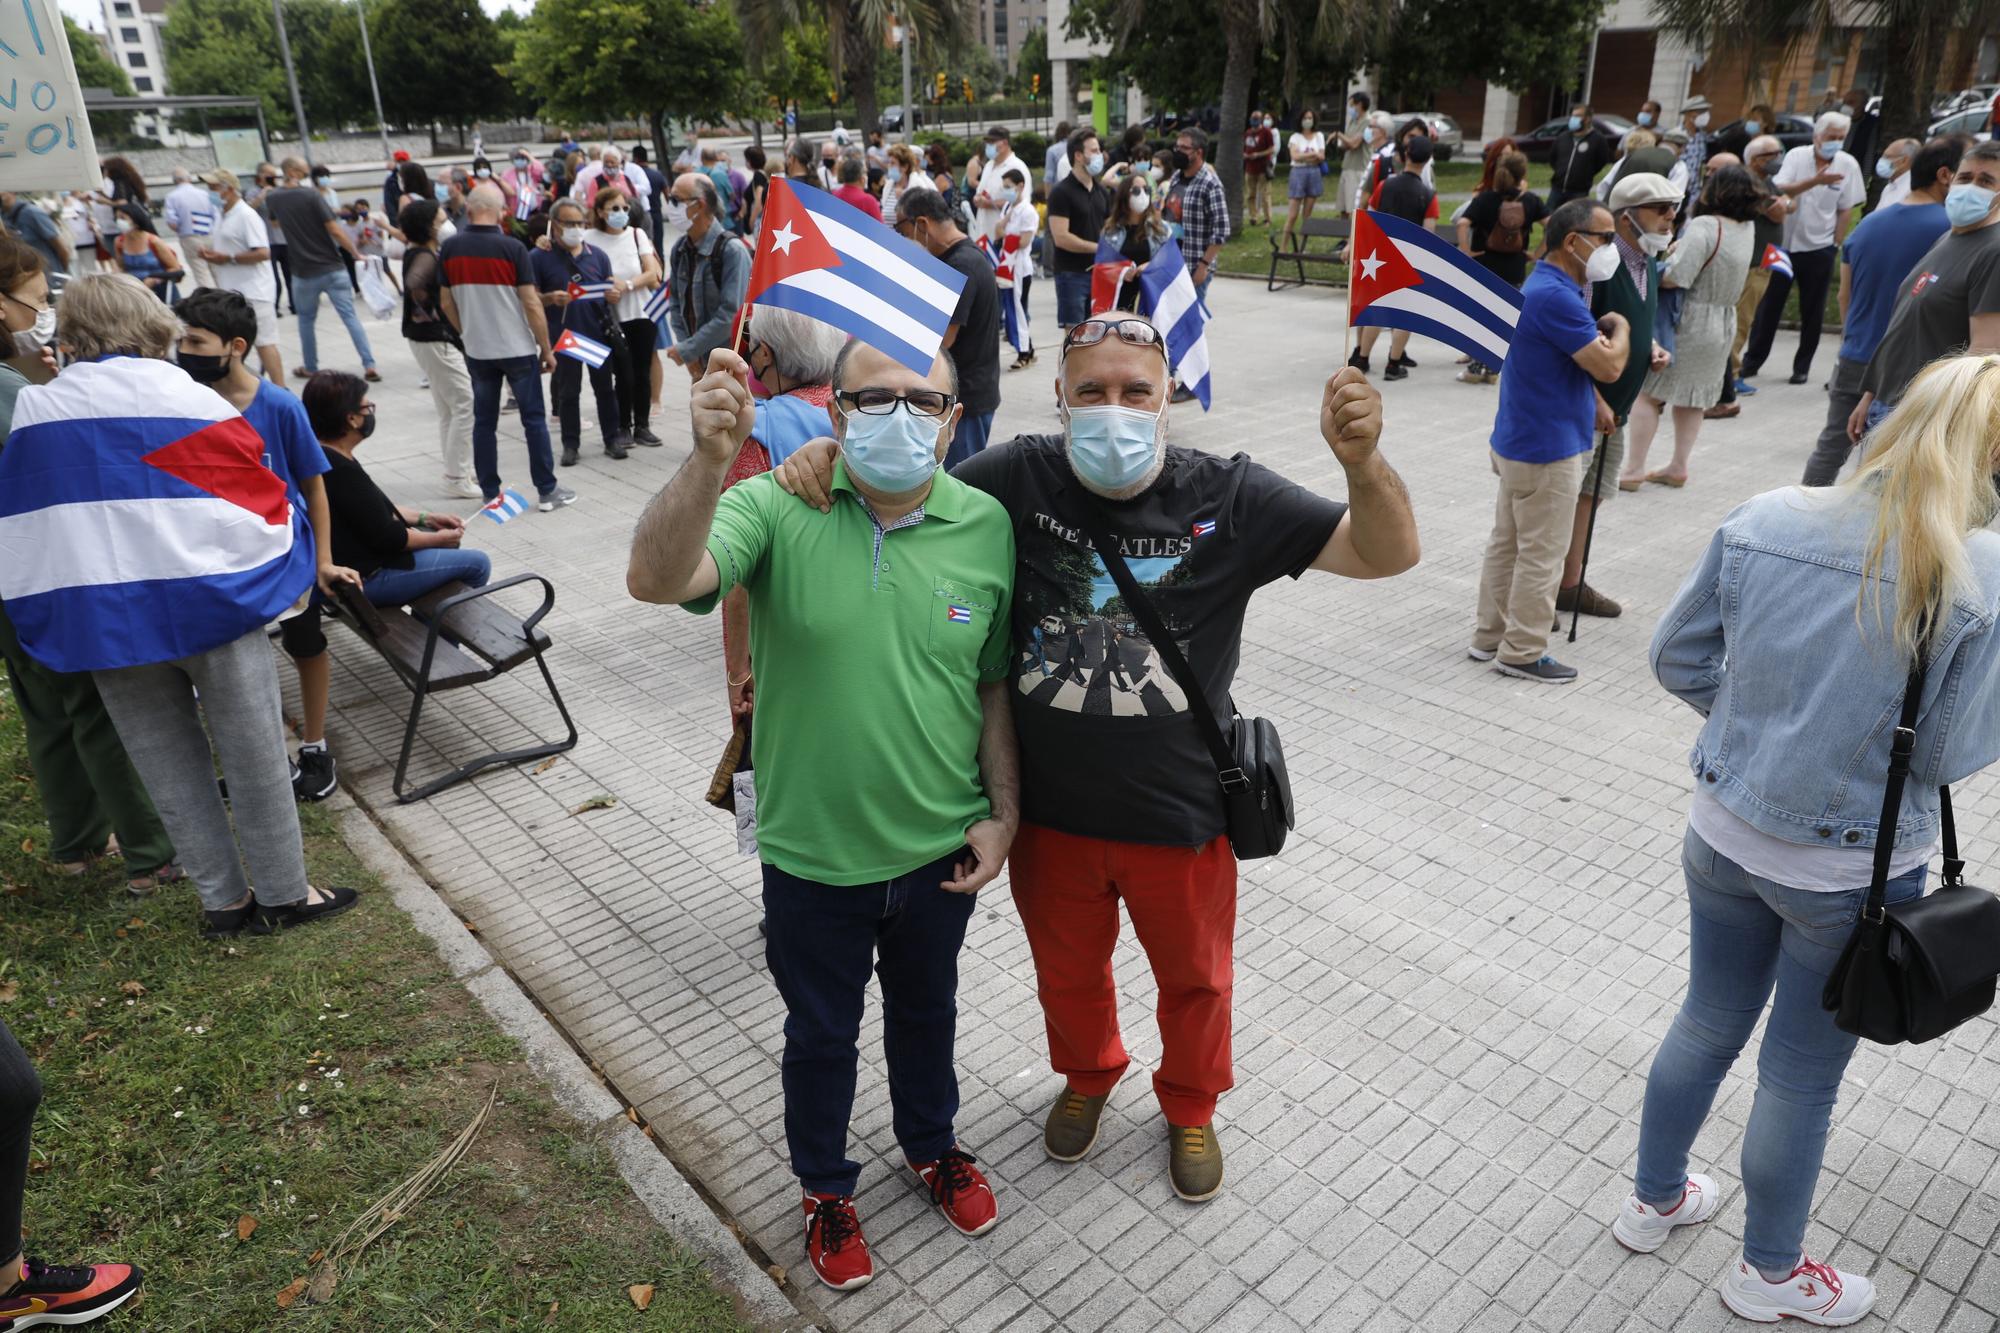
1181 161
367 425
202 369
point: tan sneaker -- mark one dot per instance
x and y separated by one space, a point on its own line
1195 1161
1071 1130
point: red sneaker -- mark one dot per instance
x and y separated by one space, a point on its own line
960 1192
73 1295
834 1243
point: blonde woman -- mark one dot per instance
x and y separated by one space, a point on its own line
1793 638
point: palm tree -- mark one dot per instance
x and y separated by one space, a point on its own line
1916 35
858 31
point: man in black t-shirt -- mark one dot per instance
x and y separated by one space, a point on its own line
1119 796
973 337
1078 205
317 239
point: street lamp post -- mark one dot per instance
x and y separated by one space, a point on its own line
292 78
901 33
361 8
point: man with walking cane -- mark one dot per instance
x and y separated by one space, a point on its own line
1644 205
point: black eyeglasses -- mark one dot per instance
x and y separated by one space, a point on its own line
1091 332
881 402
1606 236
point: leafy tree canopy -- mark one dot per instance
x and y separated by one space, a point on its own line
439 61
94 69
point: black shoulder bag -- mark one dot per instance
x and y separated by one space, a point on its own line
608 326
1913 971
1249 762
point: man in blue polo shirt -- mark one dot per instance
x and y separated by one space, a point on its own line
1878 255
1542 436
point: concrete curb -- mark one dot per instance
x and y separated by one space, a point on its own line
666 1194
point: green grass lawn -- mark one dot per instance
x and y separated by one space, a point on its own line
294 1080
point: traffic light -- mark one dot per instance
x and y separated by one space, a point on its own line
940 87
1035 87
966 84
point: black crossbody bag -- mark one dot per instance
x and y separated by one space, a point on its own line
1913 971
1249 762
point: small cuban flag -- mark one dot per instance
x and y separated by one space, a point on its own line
588 291
656 305
1204 526
1776 260
506 505
826 259
1108 274
200 222
1408 277
958 615
579 348
524 205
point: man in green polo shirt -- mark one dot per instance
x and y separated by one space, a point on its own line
887 793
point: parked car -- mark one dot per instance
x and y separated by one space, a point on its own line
1162 124
892 119
1974 121
1791 130
1539 143
1979 95
1447 139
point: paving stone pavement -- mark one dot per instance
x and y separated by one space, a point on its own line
1448 988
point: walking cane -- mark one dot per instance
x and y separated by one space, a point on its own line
1589 531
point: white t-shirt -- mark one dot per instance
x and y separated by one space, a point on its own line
76 216
242 230
1020 220
1811 225
1302 144
1895 192
625 249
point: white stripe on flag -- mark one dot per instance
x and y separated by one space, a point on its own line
825 282
140 386
1438 268
854 247
1174 301
1412 300
133 541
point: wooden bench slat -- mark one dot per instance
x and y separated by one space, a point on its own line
483 626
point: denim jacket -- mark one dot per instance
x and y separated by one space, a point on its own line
1802 701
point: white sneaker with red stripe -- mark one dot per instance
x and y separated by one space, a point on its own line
1815 1293
1642 1228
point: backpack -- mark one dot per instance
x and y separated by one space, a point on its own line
1510 230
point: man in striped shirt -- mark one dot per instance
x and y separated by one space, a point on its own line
487 291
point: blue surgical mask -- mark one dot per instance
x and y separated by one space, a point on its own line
1095 166
1009 195
1576 122
1884 168
617 218
1112 448
992 151
1753 128
1646 118
893 175
1967 204
1830 148
442 191
894 453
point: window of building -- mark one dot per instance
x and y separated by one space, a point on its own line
142 84
129 35
122 8
136 59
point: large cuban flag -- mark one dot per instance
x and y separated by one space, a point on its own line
1167 297
1011 270
1408 277
823 257
139 520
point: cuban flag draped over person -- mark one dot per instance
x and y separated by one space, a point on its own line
139 520
1776 260
1408 277
825 258
1011 269
1108 273
1168 298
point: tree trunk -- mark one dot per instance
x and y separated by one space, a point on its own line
656 122
1239 68
1909 71
861 61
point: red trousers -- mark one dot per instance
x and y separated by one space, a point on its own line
1183 906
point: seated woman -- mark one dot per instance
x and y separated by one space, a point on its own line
141 253
400 554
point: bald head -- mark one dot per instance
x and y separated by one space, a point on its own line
1718 161
1763 153
484 204
1899 155
181 176
1115 372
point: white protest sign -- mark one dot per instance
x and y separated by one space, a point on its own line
45 141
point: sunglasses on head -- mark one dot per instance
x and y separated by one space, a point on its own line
1091 332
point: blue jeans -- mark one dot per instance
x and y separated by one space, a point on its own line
1749 937
522 374
432 567
974 430
1072 298
821 941
337 289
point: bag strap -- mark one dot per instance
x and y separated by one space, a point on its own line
1227 771
1902 745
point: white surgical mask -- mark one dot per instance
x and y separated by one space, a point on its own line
124 226
1139 203
1701 120
1655 242
572 237
1831 147
1884 168
1008 195
1268 122
482 172
1967 204
1603 262
616 219
895 453
30 342
676 214
1112 447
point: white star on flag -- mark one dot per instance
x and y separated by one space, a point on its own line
782 238
1370 264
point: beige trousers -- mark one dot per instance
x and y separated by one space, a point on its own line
198 272
1746 310
1524 558
451 392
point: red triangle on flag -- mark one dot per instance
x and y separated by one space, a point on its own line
1377 266
789 241
226 459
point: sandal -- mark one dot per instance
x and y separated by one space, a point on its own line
141 886
269 920
1662 479
226 923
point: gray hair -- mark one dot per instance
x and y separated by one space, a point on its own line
705 187
851 170
804 349
181 176
1831 122
485 199
114 314
802 151
556 209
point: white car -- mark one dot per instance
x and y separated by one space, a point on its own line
1980 95
1975 122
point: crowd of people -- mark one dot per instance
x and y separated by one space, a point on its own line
1007 704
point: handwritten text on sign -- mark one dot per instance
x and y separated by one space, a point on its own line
45 140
